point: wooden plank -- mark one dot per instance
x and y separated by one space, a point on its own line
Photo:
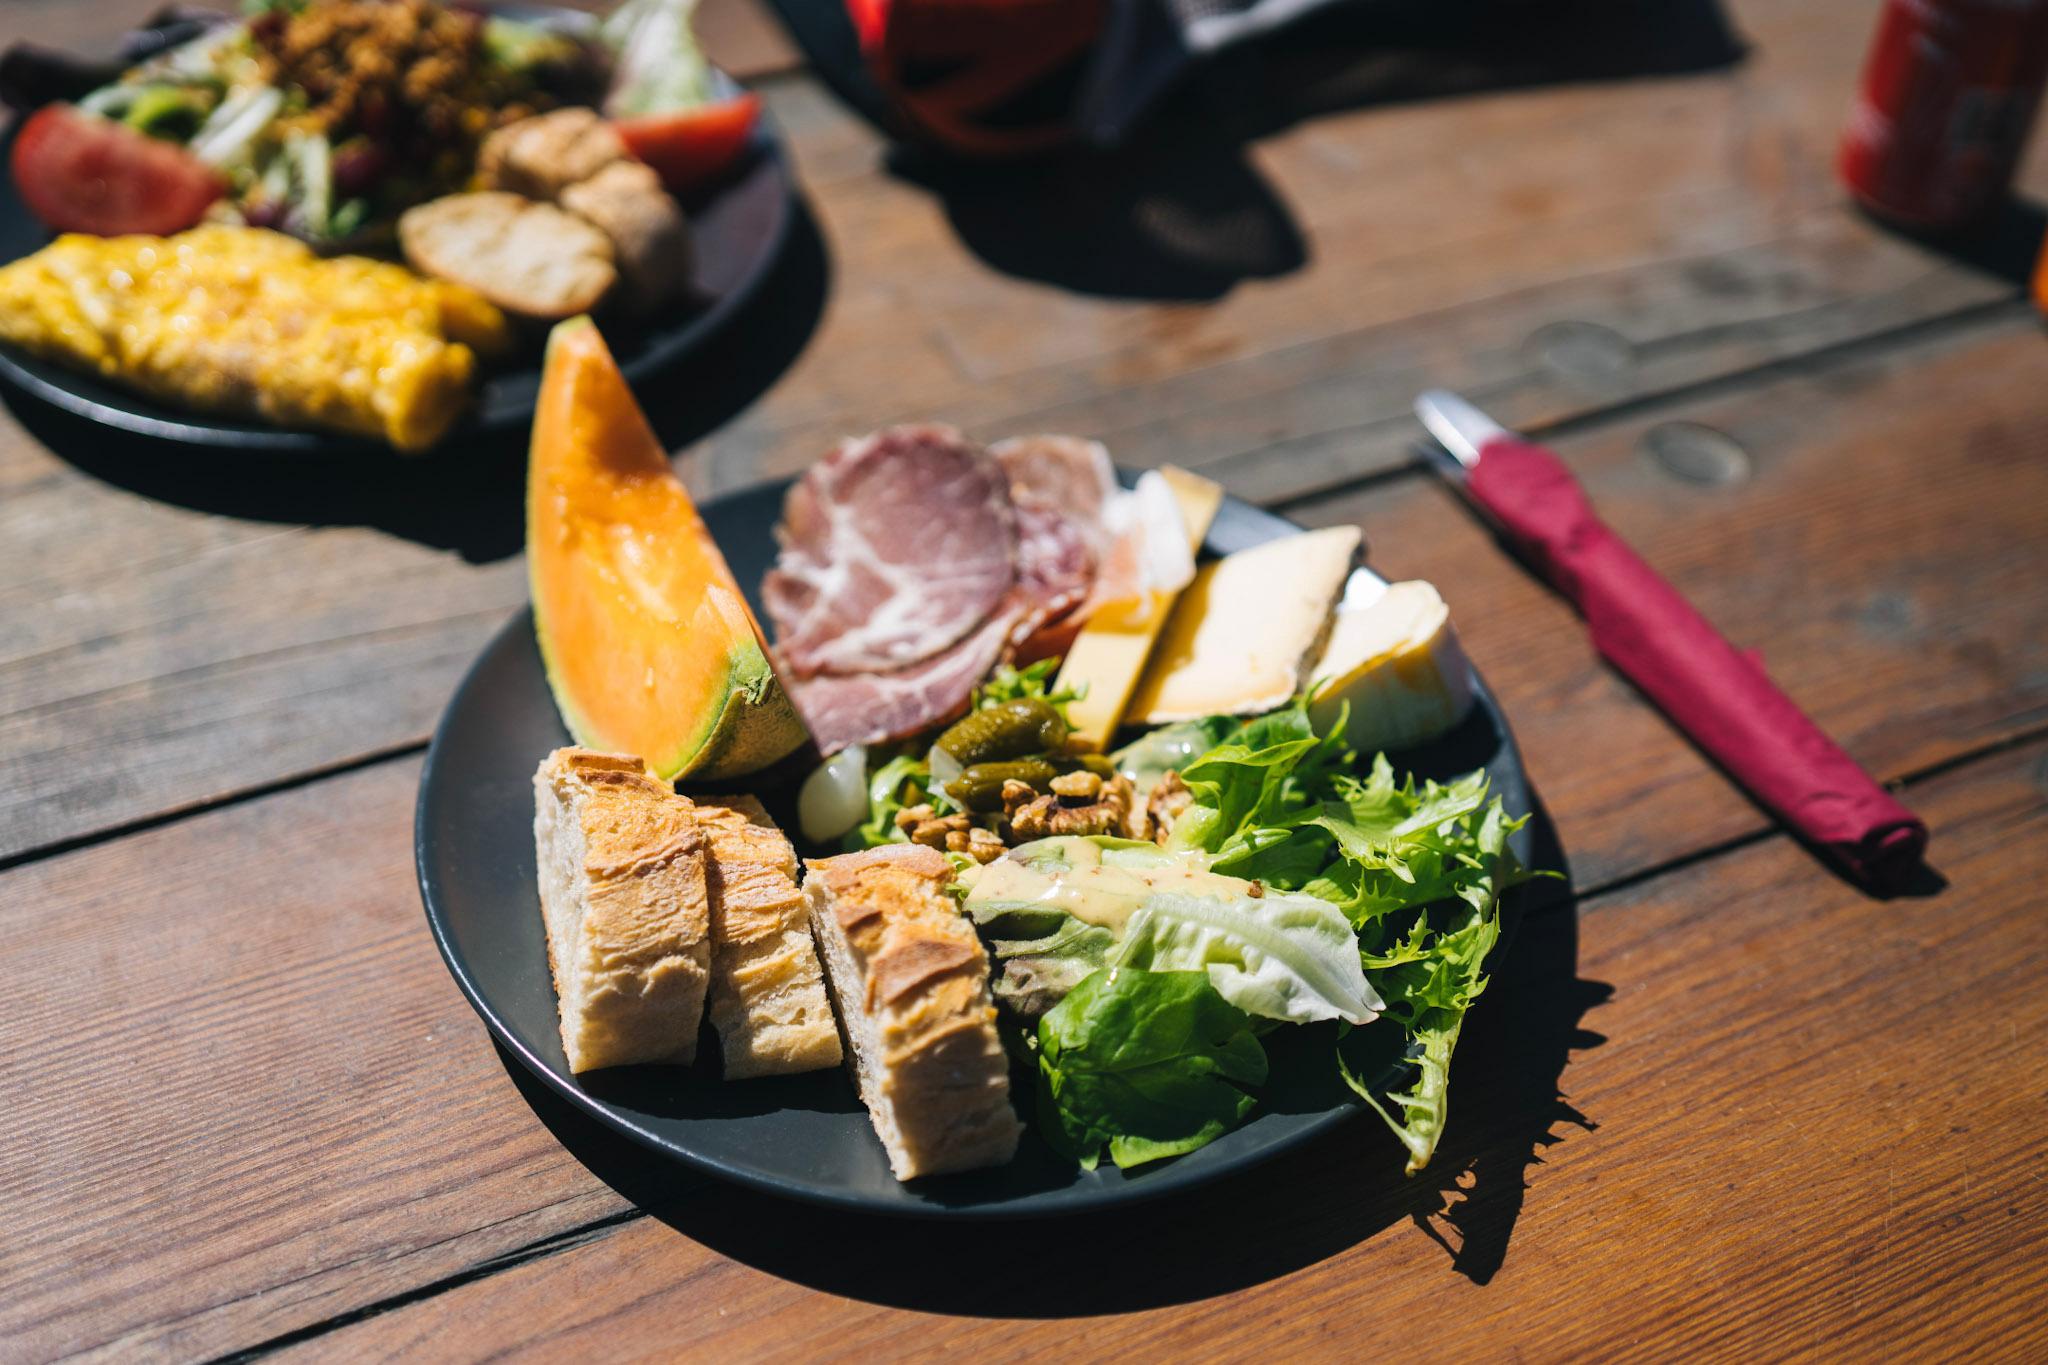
247 1095
1803 1123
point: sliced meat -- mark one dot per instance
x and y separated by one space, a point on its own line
1055 568
1060 471
1147 554
868 708
894 548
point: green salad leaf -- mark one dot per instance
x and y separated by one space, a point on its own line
1145 1064
1418 871
1290 958
1036 680
1277 956
897 785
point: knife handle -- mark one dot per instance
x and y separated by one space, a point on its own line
1716 694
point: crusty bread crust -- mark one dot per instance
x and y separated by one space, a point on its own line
623 888
650 239
767 999
527 257
540 156
911 981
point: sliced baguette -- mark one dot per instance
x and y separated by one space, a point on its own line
911 982
624 896
650 239
767 998
528 258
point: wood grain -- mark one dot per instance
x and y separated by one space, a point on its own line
1803 1125
245 1094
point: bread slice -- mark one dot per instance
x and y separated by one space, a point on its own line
650 239
767 998
540 156
528 258
911 982
623 892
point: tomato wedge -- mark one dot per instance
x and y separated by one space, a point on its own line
689 148
79 172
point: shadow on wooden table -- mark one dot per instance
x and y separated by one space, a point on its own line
468 495
2005 245
1178 210
1292 1213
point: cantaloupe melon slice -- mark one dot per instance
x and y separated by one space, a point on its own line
648 642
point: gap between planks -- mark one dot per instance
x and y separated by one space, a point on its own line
583 1233
1987 315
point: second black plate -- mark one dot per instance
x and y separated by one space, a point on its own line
737 231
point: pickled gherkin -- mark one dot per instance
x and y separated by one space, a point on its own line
980 788
1008 730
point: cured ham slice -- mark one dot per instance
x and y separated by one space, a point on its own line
869 708
1147 558
1055 570
894 548
1065 472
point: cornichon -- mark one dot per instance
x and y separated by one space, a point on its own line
980 788
1009 730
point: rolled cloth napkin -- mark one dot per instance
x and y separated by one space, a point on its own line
1720 696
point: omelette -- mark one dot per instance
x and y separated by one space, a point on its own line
251 323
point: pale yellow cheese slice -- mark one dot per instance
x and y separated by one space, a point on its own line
1243 633
1109 654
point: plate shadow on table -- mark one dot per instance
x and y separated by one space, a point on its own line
1290 1213
469 494
1178 210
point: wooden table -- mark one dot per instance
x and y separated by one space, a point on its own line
1717 1102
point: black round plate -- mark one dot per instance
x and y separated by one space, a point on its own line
737 232
803 1136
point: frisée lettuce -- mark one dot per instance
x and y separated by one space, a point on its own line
1320 896
1417 870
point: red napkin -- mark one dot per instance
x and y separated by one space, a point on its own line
1718 695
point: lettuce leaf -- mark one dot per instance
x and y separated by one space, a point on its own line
1417 871
1032 680
898 784
1290 958
1145 1064
1040 954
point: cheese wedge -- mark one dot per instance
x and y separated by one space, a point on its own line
1243 635
1108 656
1394 659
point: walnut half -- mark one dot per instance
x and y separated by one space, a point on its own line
1111 809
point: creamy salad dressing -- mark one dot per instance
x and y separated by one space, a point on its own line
1097 884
